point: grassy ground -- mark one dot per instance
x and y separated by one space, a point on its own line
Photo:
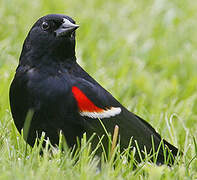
143 52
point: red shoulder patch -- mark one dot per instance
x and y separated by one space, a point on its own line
89 109
84 104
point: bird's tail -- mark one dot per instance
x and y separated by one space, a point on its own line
167 153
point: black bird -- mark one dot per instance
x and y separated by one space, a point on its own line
64 97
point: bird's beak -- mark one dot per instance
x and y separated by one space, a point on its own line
65 28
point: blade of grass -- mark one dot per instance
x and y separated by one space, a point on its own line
114 141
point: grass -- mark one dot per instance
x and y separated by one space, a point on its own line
143 52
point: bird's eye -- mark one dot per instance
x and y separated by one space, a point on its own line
45 26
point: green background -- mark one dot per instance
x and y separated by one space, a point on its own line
143 52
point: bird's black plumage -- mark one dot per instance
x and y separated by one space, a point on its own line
64 97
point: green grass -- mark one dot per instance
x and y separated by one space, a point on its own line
143 52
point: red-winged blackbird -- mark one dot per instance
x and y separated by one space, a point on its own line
64 97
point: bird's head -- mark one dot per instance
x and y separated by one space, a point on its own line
52 35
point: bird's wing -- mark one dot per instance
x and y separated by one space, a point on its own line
92 97
95 102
